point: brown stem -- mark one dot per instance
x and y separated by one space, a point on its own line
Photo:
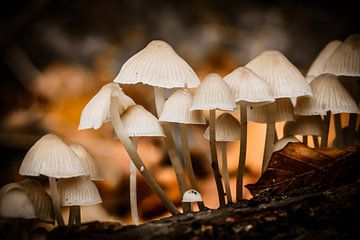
316 141
133 193
187 159
242 155
134 156
225 172
351 129
305 140
324 138
55 198
339 134
74 215
214 160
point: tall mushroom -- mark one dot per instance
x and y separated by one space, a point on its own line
285 81
177 110
248 89
107 105
53 158
158 65
213 93
138 122
227 130
329 96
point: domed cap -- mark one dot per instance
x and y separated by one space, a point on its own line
213 93
328 95
51 157
283 142
192 196
317 67
158 65
227 128
78 191
139 122
246 86
90 166
261 114
345 60
305 125
284 79
177 109
97 111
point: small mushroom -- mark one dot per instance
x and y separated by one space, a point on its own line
227 130
214 93
192 196
280 144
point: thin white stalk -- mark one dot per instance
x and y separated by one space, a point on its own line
134 156
133 190
270 136
324 138
242 155
225 172
55 198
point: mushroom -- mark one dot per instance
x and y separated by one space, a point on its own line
160 66
329 96
227 130
112 103
285 81
192 196
76 192
280 144
214 93
138 122
345 61
177 110
248 89
53 158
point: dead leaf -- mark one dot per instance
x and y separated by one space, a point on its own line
297 166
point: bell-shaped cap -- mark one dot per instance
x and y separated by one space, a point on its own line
282 107
248 87
328 95
97 111
345 60
284 79
51 157
304 125
78 191
139 122
158 65
213 93
227 128
177 109
317 67
90 166
192 196
283 142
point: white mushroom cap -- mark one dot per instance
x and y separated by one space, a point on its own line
213 93
345 60
158 65
192 196
78 191
284 79
246 86
317 67
177 109
227 128
51 157
90 165
97 111
305 125
283 112
328 95
279 145
139 122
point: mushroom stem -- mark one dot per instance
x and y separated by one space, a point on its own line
74 215
55 198
170 146
242 155
269 144
316 141
338 130
225 172
133 193
305 140
187 159
71 220
214 160
134 156
324 138
352 128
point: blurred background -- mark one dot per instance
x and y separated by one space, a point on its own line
55 55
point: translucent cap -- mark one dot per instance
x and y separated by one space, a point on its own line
227 128
192 196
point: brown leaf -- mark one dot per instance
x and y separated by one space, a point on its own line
297 166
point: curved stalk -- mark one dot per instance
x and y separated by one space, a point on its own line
134 156
324 138
170 147
187 159
55 198
338 130
214 160
133 193
242 155
269 144
225 172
